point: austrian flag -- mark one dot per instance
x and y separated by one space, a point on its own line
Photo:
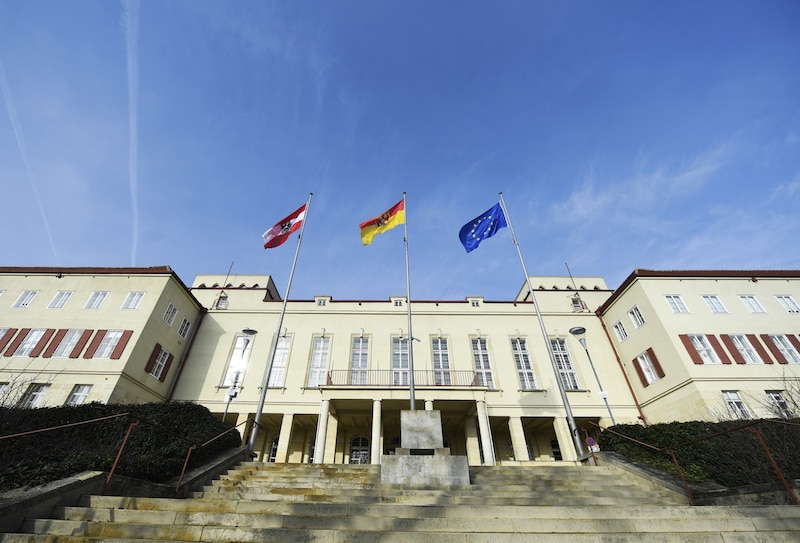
279 233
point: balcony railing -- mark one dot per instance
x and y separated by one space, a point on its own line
400 378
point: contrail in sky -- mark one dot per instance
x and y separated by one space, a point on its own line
12 112
131 24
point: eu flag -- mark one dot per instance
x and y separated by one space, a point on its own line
482 227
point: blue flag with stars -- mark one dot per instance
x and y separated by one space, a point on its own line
482 227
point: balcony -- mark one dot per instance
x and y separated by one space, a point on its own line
399 378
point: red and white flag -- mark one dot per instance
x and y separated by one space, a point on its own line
279 233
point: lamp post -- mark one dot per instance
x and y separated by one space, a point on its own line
579 332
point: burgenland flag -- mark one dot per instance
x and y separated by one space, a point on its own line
395 216
481 227
279 233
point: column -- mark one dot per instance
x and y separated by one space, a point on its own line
377 427
473 447
322 431
244 426
564 437
428 405
518 441
284 438
331 442
486 433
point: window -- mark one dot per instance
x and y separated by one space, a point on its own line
183 329
78 395
746 349
483 367
398 302
704 349
751 304
619 330
273 450
788 303
96 299
779 405
736 404
169 314
359 450
578 304
321 302
566 370
108 344
277 374
68 343
400 361
60 299
133 299
238 361
714 304
441 362
786 348
25 298
676 303
319 361
474 303
636 317
31 340
160 364
649 371
34 396
522 359
359 360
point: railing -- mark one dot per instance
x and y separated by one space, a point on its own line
750 427
194 447
400 378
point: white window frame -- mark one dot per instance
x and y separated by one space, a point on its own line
746 349
160 363
788 303
779 404
133 299
566 370
170 313
78 395
482 362
68 342
96 299
704 349
786 348
108 344
318 369
648 368
441 361
751 303
25 298
619 330
736 404
636 316
359 360
277 374
676 303
714 304
32 338
522 359
60 299
400 361
34 396
237 363
183 329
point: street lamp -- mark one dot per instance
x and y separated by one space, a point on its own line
579 332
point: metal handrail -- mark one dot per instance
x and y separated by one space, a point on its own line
40 430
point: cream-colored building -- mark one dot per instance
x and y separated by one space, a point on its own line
709 345
76 335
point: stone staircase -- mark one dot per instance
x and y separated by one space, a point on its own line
293 503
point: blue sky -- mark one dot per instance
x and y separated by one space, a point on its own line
622 134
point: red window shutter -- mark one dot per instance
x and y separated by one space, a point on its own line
17 340
640 373
737 356
776 352
723 356
98 337
166 368
759 347
126 335
55 343
152 360
792 339
42 342
76 352
656 365
693 354
7 337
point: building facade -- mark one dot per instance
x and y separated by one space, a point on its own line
514 385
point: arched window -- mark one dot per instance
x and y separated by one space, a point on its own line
359 450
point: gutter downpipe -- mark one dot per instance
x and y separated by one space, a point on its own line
622 369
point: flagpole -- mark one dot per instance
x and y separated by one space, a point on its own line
570 419
268 371
408 307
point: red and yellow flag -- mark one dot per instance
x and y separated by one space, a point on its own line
385 221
